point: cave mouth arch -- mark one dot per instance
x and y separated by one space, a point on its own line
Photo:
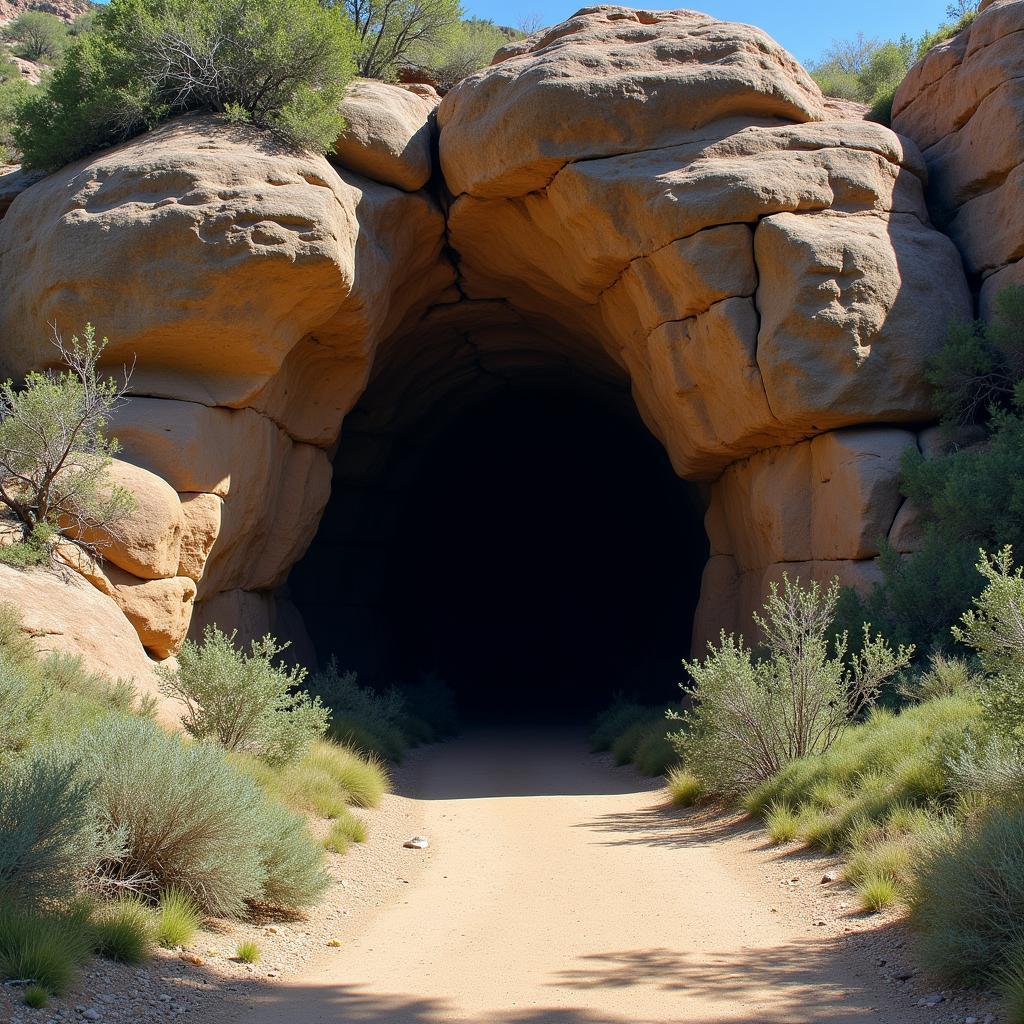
525 538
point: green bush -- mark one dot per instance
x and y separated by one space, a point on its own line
283 64
362 718
178 917
1010 981
48 834
782 822
968 902
464 48
655 754
994 628
292 863
123 930
244 701
888 762
46 949
971 497
189 820
752 717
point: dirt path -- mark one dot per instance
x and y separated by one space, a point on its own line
558 890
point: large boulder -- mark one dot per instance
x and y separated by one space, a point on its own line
388 133
611 80
61 611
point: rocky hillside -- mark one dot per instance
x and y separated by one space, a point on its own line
66 9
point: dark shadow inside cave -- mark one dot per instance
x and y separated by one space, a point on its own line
536 550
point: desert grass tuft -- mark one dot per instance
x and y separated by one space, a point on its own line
783 823
345 830
178 917
684 788
247 952
877 891
123 930
36 997
44 949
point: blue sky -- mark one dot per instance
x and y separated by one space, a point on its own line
804 28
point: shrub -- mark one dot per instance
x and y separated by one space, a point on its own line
886 765
178 917
54 451
37 36
361 718
292 862
1010 982
22 699
191 821
363 780
247 952
283 64
752 717
684 788
970 497
48 837
245 702
123 930
387 31
46 949
968 900
431 701
995 629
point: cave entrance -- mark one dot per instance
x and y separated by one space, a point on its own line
530 544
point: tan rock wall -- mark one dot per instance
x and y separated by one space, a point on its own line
963 104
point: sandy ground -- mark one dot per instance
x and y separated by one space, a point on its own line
560 890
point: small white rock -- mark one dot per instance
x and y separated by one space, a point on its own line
416 843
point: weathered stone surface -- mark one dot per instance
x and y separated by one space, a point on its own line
160 610
213 253
14 181
388 133
61 611
855 490
147 543
851 307
202 515
274 490
963 103
657 201
610 80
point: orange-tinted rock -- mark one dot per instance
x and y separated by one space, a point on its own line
160 610
202 514
388 133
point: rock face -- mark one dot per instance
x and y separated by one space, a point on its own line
963 104
62 612
658 200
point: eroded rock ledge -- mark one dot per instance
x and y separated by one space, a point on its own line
657 199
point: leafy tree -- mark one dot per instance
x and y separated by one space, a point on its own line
752 716
37 36
245 702
54 449
388 29
279 64
465 47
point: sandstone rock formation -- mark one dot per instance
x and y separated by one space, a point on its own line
963 104
62 612
653 200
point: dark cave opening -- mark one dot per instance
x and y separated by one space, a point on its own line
537 552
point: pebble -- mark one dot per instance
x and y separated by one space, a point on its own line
829 876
